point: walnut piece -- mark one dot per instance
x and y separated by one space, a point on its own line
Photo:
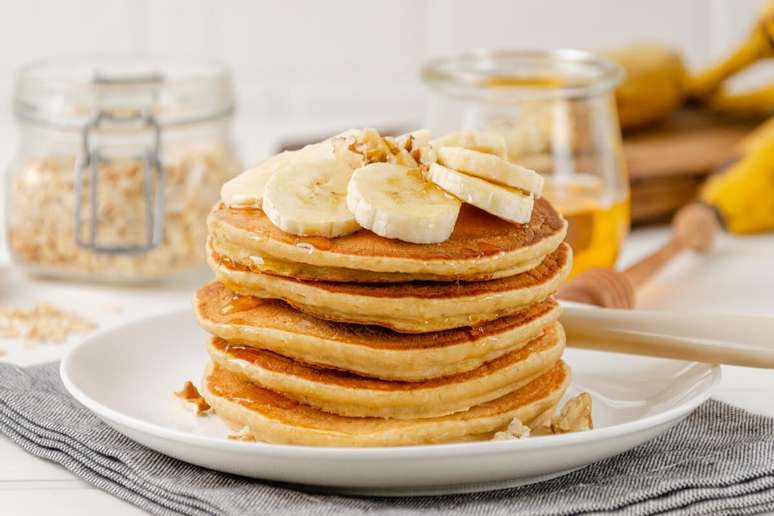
575 416
42 323
243 435
193 400
368 146
516 430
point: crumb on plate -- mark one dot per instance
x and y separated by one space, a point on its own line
192 399
575 416
242 435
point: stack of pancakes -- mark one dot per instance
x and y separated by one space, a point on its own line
366 341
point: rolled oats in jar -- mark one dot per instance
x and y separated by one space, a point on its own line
118 164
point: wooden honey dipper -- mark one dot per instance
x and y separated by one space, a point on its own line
693 228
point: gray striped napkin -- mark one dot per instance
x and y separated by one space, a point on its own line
719 461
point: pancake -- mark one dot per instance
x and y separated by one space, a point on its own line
274 418
411 307
367 350
266 264
480 244
347 394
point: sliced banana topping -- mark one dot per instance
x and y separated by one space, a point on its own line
407 187
395 201
501 201
246 190
309 199
491 168
488 143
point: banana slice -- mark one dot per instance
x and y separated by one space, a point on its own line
396 202
491 168
488 143
501 201
308 199
246 189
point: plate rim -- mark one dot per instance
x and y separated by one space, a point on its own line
450 450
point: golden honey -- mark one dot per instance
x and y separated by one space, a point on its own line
597 226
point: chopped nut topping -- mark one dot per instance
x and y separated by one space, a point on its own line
243 435
42 323
575 416
368 146
392 145
516 430
193 400
425 156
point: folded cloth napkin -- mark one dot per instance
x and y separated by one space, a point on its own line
720 460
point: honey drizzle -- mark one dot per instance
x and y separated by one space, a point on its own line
239 303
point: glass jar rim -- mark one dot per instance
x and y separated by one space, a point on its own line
523 74
67 92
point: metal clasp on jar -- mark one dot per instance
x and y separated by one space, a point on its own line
91 158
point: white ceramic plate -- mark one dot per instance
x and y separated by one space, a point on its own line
127 375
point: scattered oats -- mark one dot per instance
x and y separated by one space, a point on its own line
575 416
192 400
42 323
112 308
516 430
243 435
42 206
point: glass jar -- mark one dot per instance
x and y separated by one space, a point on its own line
119 161
556 111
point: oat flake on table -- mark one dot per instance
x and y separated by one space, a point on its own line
42 323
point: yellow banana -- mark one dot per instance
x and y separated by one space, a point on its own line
759 44
653 87
744 193
757 138
753 103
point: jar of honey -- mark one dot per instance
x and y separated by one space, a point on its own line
557 113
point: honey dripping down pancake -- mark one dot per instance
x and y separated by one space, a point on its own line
249 260
411 307
367 350
481 244
271 417
347 394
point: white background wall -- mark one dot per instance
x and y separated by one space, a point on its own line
307 65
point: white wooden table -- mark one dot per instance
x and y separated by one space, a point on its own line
738 278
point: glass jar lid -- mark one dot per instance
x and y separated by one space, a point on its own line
68 92
525 74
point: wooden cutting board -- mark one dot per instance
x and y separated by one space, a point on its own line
668 163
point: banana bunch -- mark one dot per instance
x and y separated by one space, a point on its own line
758 45
654 83
750 104
744 193
707 85
409 188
